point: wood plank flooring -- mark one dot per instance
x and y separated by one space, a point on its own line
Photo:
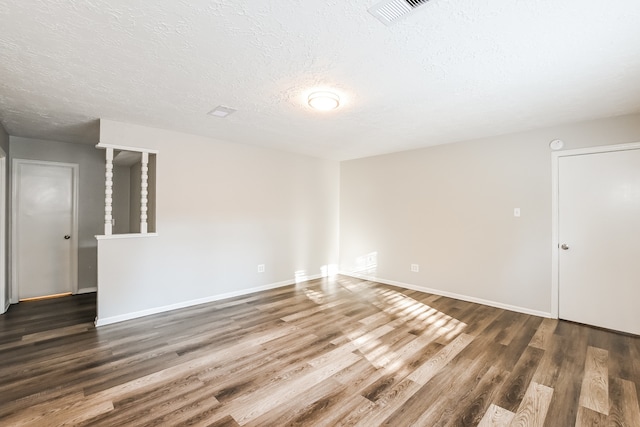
328 352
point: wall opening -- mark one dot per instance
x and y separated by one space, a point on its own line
130 191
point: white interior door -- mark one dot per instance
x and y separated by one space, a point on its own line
599 226
45 248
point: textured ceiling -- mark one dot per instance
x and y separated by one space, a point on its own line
452 70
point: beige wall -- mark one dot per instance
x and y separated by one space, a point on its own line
134 199
121 200
449 208
221 209
4 140
90 197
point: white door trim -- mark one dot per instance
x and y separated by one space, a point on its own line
14 223
555 203
4 294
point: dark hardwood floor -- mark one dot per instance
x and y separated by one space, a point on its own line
322 353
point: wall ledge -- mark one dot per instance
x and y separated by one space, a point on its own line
461 297
125 236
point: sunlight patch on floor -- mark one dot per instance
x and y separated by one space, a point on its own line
427 323
315 296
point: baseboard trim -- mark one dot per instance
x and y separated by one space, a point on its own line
212 298
87 290
190 303
308 278
453 295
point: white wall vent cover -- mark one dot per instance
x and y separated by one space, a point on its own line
389 11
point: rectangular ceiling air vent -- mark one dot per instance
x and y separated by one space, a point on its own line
389 11
221 111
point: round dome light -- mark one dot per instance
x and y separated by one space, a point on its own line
324 101
556 144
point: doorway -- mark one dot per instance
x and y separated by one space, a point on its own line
44 228
596 244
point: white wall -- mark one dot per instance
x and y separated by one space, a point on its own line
90 197
449 208
222 209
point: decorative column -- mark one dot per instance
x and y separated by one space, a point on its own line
108 193
144 185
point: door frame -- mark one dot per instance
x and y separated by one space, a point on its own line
555 213
15 165
4 291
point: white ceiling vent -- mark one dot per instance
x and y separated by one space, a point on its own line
221 111
389 11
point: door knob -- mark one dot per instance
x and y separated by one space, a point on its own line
564 247
67 237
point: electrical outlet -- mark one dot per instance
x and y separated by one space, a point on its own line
260 268
415 268
516 212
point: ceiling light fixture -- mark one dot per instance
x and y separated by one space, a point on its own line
324 101
556 144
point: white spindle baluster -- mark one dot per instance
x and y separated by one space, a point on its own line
144 177
108 193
